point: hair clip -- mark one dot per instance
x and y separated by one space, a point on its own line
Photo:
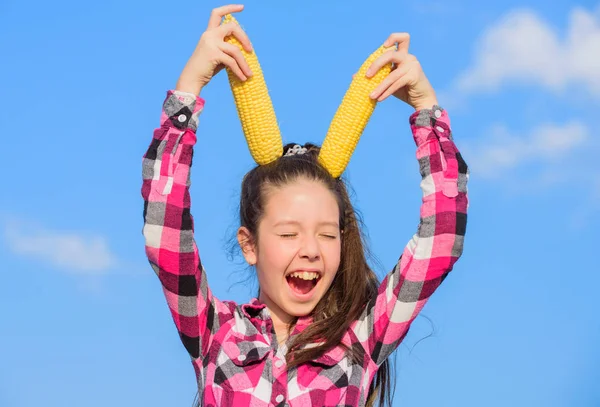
297 149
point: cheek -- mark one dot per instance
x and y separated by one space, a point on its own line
333 254
274 255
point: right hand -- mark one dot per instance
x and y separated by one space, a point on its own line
213 54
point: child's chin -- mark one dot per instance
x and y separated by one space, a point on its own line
301 310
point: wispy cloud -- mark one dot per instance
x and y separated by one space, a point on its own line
502 150
71 251
523 48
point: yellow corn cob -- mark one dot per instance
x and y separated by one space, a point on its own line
255 108
351 117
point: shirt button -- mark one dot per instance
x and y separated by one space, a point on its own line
279 398
440 129
241 358
279 363
438 114
182 118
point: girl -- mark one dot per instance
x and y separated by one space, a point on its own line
322 327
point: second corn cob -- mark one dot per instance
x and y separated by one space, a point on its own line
255 108
352 117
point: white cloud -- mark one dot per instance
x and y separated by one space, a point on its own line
502 150
71 251
523 48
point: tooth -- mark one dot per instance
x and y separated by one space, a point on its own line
305 275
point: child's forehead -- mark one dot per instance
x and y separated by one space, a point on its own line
296 201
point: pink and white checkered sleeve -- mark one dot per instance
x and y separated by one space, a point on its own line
169 226
432 252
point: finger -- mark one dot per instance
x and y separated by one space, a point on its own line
389 81
400 83
386 58
217 14
232 64
235 29
402 39
235 52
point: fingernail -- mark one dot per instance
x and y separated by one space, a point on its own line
372 95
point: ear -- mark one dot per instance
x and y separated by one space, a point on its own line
246 242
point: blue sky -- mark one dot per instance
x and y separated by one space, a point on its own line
84 320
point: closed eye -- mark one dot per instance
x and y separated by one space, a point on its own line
287 235
330 236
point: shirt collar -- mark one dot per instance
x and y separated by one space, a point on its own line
257 310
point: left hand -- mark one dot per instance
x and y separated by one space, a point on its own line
407 81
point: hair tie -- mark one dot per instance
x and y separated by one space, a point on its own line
295 150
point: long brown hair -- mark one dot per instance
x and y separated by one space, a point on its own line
354 285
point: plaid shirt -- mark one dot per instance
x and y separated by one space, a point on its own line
237 359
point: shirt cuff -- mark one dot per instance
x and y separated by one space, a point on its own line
181 110
428 124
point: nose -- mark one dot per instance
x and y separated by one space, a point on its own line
309 248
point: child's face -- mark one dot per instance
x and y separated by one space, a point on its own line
298 240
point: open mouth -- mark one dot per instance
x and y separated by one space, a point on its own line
303 282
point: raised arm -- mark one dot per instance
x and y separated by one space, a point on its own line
169 225
438 243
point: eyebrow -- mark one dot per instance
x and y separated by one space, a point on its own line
295 222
